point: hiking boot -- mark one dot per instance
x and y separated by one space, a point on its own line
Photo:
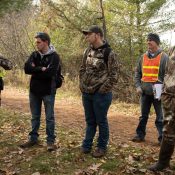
166 151
51 147
138 139
99 153
28 144
85 150
158 167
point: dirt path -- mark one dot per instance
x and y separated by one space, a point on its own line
70 113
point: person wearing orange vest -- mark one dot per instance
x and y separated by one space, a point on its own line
149 77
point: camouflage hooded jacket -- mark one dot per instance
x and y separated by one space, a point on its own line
169 80
95 74
5 63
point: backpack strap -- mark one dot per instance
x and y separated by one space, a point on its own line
106 54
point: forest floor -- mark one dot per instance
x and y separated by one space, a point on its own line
123 157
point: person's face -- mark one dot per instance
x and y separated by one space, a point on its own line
91 38
41 45
152 45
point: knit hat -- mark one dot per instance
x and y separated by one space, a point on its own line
93 29
154 37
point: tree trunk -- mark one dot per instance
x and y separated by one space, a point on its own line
140 37
103 19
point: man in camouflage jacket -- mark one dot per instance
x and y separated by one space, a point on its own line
98 75
6 65
168 101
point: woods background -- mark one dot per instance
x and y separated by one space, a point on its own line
126 24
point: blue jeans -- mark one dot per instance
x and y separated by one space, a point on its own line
146 102
96 107
35 106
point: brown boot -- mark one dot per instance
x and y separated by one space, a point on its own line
51 147
85 150
166 151
28 144
99 153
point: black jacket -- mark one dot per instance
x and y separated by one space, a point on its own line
42 83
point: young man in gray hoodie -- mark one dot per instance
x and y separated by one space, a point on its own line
42 65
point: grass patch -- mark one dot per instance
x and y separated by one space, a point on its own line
112 165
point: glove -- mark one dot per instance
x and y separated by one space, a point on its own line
139 90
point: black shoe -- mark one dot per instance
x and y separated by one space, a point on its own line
85 150
28 144
138 139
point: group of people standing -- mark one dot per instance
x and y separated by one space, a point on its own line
154 75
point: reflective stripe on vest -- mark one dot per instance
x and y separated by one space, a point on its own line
150 68
2 72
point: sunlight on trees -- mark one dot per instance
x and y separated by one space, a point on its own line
125 22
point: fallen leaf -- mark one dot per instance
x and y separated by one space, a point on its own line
36 173
143 170
21 151
95 167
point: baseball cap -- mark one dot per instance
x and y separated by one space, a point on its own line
43 36
93 29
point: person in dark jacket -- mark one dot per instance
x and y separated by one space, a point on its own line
149 77
98 75
42 65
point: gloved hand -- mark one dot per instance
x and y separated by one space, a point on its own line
139 90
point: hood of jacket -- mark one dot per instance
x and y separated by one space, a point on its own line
153 55
105 45
49 52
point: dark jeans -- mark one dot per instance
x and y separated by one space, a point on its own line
146 102
96 107
35 106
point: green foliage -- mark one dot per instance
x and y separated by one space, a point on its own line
7 6
127 22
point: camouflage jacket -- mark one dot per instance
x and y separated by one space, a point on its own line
169 80
5 63
97 75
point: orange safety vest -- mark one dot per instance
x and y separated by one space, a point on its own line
150 68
